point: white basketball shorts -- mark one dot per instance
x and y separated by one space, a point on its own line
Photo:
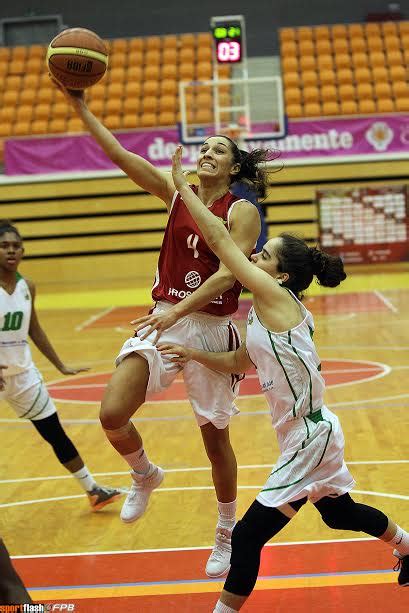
27 394
211 394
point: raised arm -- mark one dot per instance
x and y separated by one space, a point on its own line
218 238
142 172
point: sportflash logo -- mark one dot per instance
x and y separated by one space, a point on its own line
37 608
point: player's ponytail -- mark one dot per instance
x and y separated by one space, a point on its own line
302 263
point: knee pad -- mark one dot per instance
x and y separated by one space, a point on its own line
356 517
119 434
52 431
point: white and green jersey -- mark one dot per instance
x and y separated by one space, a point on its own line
288 367
15 315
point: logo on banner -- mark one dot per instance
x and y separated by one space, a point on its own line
379 135
193 279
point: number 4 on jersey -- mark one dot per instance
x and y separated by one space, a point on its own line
192 241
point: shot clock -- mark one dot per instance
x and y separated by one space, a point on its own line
228 36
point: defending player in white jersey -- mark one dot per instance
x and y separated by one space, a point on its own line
279 342
21 384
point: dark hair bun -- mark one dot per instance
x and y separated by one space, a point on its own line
329 269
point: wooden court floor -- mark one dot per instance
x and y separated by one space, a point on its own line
66 554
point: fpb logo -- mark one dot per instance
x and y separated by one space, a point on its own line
60 606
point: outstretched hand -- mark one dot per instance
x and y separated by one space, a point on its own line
179 177
70 370
180 355
74 97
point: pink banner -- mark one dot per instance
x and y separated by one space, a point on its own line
383 135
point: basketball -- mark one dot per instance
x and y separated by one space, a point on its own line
77 58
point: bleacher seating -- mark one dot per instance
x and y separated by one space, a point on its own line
140 88
345 69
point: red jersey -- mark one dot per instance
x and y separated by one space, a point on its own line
185 260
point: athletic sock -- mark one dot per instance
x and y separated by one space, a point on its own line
85 479
223 608
227 514
138 461
400 541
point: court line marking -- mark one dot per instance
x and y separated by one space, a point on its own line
188 469
94 318
176 549
196 488
386 301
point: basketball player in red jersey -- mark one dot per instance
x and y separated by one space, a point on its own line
194 298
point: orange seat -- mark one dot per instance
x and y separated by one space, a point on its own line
330 107
4 54
204 39
119 44
119 60
327 77
10 97
169 71
304 33
355 29
292 95
357 44
290 64
306 47
348 107
42 111
186 71
113 106
372 29
308 77
115 90
400 89
342 60
321 33
24 112
363 75
389 27
403 27
379 73
18 53
16 67
366 106
34 65
7 114
187 40
56 126
392 43
46 94
131 104
287 34
385 105
311 109
204 54
339 31
394 58
325 61
21 128
340 45
294 110
364 90
402 104
329 93
130 120
30 81
204 71
60 110
359 60
148 120
75 125
169 42
97 107
346 92
98 91
13 83
153 72
39 126
290 79
397 73
113 122
377 58
6 129
134 72
116 75
187 54
168 86
307 62
168 103
135 44
170 55
153 43
323 47
288 48
382 90
152 57
345 75
374 43
149 104
311 94
150 87
167 118
204 115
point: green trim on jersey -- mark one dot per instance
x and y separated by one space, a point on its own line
326 444
284 371
308 432
305 366
19 276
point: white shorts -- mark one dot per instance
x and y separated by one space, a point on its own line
27 394
211 394
311 462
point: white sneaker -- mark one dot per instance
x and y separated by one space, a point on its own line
218 563
138 496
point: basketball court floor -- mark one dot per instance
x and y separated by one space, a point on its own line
94 563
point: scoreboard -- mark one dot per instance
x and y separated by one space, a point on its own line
365 225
